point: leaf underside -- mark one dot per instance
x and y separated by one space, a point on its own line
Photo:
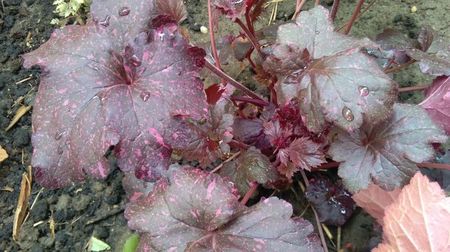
437 102
386 153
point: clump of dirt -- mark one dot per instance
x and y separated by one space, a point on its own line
95 207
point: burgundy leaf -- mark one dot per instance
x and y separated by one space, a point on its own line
333 203
208 141
251 131
175 9
386 153
199 211
97 92
436 61
339 83
305 153
249 167
231 8
437 102
394 44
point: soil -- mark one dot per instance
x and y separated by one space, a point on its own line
95 207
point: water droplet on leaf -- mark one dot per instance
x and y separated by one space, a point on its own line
343 211
135 61
317 32
347 114
105 22
59 134
124 11
363 91
145 96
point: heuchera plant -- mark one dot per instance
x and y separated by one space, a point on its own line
128 84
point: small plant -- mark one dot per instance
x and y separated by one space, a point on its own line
70 11
129 81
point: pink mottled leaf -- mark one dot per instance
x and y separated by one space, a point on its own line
198 211
100 90
437 102
386 153
374 200
249 167
418 220
335 81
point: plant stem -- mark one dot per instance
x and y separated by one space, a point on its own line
248 100
234 83
399 67
317 2
434 166
211 37
239 145
354 16
415 88
298 8
319 226
249 193
334 9
235 155
327 166
250 36
360 14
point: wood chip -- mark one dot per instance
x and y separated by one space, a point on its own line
22 203
3 154
19 113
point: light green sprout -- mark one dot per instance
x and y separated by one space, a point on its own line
69 10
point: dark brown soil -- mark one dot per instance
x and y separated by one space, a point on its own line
25 24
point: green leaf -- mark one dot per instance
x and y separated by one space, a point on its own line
131 243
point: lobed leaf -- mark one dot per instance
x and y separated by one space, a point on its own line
250 166
386 153
437 102
98 92
199 211
338 83
418 220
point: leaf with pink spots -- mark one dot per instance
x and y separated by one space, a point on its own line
198 211
98 92
331 77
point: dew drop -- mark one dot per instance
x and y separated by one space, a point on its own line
124 11
363 91
135 61
105 22
347 114
343 211
317 32
145 96
59 134
93 67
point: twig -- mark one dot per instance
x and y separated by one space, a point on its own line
434 165
298 8
233 82
354 16
338 239
334 9
399 67
415 88
319 226
224 162
249 193
250 36
112 213
211 37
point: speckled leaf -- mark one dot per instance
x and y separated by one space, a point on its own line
339 83
96 93
386 153
437 102
250 166
198 211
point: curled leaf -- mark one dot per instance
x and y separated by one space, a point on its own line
386 153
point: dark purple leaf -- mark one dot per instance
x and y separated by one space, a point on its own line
251 131
436 61
340 84
305 153
394 44
208 141
437 102
199 211
249 167
97 92
386 153
332 202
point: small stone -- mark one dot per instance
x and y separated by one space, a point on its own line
203 29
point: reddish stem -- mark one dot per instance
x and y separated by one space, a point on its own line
249 21
399 67
354 16
334 9
360 14
298 8
327 166
250 36
240 145
234 83
317 2
211 37
250 192
248 100
415 88
434 166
